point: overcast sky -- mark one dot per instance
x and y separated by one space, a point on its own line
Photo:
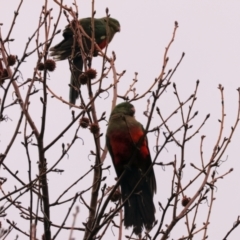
208 33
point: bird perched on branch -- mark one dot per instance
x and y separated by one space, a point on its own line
73 45
128 148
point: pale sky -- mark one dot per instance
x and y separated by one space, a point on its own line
208 33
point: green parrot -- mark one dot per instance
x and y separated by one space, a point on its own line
103 34
122 139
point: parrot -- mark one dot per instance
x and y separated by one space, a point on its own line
104 31
123 136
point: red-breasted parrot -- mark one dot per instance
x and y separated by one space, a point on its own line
124 133
105 29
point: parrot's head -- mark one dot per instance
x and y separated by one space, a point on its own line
125 108
113 24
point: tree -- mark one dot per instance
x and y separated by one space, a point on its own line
45 196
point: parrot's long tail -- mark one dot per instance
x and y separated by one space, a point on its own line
76 72
63 51
139 209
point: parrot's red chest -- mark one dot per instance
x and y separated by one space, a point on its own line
103 43
123 145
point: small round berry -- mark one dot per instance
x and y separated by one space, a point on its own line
185 201
94 128
83 78
84 122
116 196
91 73
11 59
40 66
50 65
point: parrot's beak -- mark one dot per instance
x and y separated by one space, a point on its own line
119 29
